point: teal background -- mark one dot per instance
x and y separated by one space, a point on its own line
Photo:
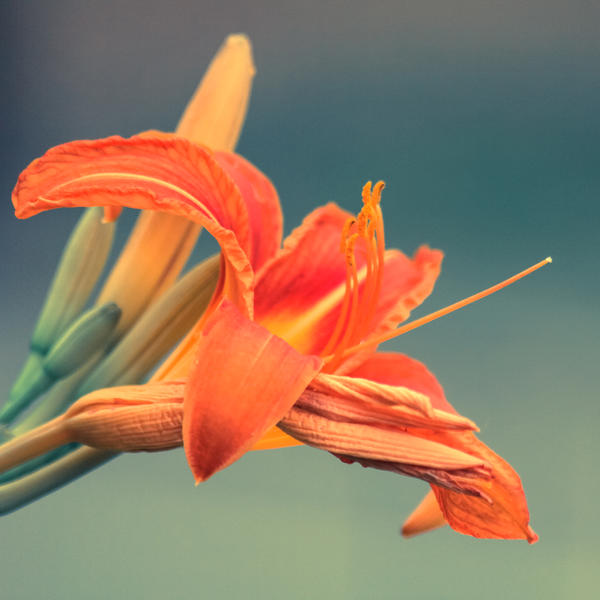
482 117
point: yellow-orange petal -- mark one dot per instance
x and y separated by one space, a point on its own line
243 380
215 114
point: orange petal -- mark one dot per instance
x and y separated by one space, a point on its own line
111 213
262 201
501 512
243 380
304 283
159 172
426 517
299 293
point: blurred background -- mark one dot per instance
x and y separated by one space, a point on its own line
482 117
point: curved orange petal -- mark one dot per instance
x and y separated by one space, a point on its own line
243 380
262 202
299 293
500 511
152 171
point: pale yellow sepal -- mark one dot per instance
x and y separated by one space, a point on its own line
426 517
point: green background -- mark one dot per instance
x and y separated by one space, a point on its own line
482 117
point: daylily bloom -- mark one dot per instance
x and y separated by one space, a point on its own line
307 362
289 337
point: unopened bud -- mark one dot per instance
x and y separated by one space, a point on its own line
84 338
78 271
88 335
159 328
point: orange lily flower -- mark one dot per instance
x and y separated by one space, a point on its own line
307 362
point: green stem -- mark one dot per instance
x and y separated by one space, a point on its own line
21 492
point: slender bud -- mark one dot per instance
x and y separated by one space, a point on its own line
157 330
216 112
31 383
83 339
89 334
78 271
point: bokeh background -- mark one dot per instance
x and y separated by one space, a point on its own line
483 119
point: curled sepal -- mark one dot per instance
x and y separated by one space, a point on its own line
121 419
380 426
493 507
243 381
130 418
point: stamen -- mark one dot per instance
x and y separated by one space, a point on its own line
375 341
348 293
351 262
358 306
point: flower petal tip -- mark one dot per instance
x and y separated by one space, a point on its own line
532 536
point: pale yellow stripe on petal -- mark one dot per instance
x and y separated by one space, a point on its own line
297 329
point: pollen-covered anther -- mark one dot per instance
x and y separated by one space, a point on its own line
362 244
